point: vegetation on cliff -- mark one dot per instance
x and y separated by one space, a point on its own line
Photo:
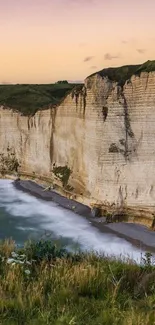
148 66
41 284
8 163
29 98
63 173
124 73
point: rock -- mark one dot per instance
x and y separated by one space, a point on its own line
96 212
115 217
107 138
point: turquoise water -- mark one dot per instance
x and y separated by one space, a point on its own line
24 217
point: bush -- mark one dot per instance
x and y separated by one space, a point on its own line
44 250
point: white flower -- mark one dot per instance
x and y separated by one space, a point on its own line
22 256
28 263
19 262
14 254
10 260
27 272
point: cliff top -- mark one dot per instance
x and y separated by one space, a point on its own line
124 73
28 98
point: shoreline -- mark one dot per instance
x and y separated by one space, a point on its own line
138 235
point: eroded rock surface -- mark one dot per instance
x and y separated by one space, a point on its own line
105 134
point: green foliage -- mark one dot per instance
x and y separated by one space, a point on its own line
63 173
29 98
62 82
44 250
63 288
9 162
148 66
147 260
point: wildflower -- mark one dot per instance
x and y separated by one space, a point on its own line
13 254
22 256
28 263
27 272
10 260
19 262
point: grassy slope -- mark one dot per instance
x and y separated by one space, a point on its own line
29 98
86 290
121 74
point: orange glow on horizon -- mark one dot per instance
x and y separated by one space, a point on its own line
43 41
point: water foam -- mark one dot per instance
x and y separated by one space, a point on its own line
38 215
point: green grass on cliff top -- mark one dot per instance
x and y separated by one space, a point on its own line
41 284
124 73
28 98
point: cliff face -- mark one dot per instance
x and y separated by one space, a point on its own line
105 133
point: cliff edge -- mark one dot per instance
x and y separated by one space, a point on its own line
98 144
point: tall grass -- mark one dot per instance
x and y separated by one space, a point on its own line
82 289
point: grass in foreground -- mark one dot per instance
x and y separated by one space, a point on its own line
41 284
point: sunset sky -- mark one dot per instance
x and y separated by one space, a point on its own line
44 41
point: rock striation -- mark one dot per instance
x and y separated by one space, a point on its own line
102 133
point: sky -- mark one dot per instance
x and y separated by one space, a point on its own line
42 41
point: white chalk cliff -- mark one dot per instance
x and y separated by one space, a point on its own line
104 133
